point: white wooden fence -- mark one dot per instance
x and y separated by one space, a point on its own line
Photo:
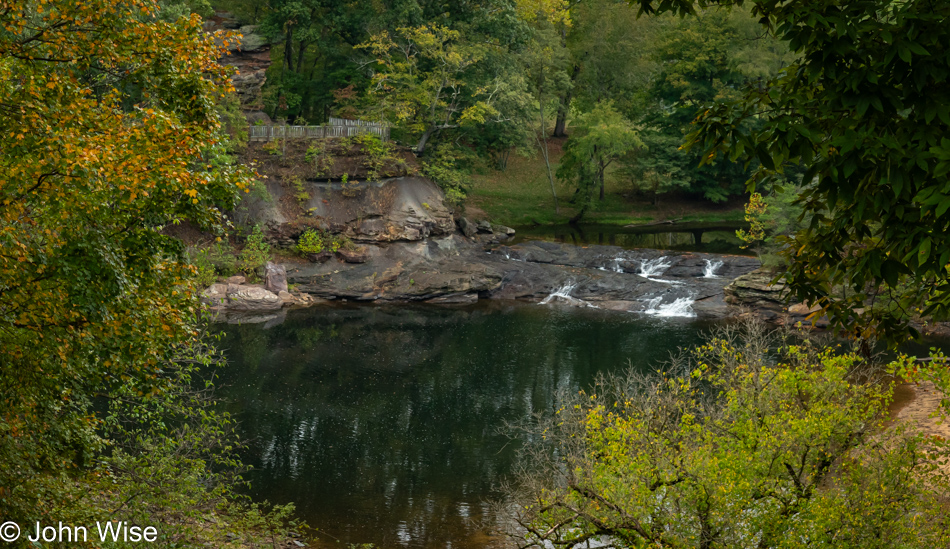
338 127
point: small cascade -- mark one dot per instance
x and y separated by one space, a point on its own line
680 307
617 268
563 295
613 265
709 270
651 268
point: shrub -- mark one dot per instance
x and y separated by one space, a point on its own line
750 442
314 241
256 252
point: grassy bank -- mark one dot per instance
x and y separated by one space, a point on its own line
521 195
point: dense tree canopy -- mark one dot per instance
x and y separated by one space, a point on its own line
862 111
110 132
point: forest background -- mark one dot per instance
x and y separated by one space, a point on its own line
478 89
116 108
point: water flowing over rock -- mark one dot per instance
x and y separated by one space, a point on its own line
453 269
712 265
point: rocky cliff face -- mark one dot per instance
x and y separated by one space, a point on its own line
391 210
251 58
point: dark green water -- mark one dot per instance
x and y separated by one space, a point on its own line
382 423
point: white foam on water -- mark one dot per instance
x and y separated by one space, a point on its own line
650 268
681 307
563 295
709 270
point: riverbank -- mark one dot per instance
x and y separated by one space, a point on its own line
520 195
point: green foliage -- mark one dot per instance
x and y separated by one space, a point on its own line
319 155
256 252
111 133
443 167
658 166
212 261
273 148
234 123
757 442
873 141
300 191
423 86
314 241
601 136
773 219
379 155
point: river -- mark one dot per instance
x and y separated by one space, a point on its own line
383 423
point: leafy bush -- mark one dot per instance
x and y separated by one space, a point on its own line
443 168
300 192
318 154
273 148
210 262
750 441
256 252
314 241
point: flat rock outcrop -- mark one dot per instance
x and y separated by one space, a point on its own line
402 208
453 269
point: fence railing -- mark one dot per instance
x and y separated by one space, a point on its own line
338 127
268 133
351 122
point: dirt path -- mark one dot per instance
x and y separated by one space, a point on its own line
922 400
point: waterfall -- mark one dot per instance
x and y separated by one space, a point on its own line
709 270
614 265
650 268
680 307
563 294
617 268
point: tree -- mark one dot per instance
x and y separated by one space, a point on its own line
749 442
601 136
704 60
657 166
421 83
110 133
545 61
861 112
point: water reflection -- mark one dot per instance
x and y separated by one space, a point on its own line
381 423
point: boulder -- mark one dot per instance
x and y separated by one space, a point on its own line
503 230
252 298
483 227
236 280
359 255
216 295
755 290
468 228
802 309
275 278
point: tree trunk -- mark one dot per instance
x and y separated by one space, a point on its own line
600 175
421 146
300 52
544 153
564 107
289 49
